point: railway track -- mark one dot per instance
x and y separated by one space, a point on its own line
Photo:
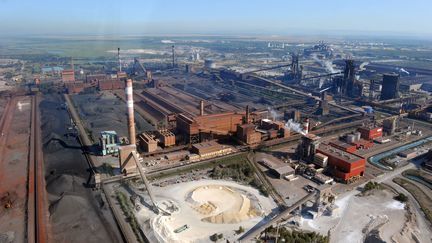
37 210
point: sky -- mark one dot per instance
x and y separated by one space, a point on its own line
233 17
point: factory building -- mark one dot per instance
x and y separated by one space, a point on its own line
321 160
109 142
363 144
389 126
390 86
110 84
74 87
68 75
277 169
307 148
343 165
408 154
166 138
148 142
125 154
282 171
273 129
210 149
370 133
221 124
346 147
247 134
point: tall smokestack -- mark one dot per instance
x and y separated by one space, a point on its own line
247 115
173 56
201 107
118 56
130 107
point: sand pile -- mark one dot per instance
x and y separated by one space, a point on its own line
221 205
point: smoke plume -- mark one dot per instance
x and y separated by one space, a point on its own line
274 115
294 126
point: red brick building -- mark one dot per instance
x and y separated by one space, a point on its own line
343 165
68 75
75 87
111 84
370 133
350 148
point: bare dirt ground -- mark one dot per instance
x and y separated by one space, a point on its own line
374 217
77 214
14 150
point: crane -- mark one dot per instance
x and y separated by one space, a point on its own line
140 66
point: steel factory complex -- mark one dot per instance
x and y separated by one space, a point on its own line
191 142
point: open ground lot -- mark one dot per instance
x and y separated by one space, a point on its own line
373 216
14 152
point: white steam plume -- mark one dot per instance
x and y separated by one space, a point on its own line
328 65
402 70
274 115
295 126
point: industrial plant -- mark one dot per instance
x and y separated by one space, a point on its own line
216 139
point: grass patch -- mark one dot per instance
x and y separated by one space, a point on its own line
194 166
240 171
295 236
424 200
401 197
421 175
130 217
371 185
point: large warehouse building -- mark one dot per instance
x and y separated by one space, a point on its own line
343 165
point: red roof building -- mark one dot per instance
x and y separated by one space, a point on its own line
350 148
68 75
343 165
370 133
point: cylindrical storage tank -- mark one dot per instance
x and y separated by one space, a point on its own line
350 138
357 136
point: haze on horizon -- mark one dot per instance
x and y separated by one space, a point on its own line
273 17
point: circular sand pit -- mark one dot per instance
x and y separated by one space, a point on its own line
221 204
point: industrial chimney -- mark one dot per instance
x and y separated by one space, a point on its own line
247 119
173 57
118 56
130 107
201 107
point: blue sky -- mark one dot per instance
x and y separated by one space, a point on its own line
404 17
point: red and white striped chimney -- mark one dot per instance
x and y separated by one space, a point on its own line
130 107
